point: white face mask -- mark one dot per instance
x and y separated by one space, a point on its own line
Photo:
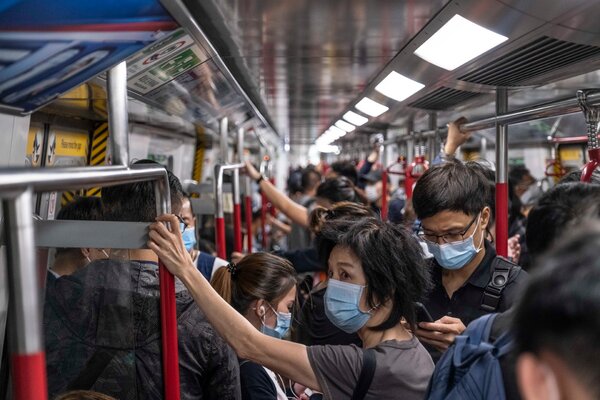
371 193
531 195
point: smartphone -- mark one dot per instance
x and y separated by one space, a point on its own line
422 313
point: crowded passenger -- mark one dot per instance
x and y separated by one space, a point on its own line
370 291
525 186
451 201
102 322
314 328
262 288
310 180
556 324
68 261
206 262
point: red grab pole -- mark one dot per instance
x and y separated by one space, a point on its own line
384 197
263 220
170 349
502 219
237 228
248 200
220 237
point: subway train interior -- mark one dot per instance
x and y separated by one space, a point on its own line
228 94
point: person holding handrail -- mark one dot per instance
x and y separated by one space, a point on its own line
376 274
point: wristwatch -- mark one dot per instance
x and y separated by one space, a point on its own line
260 179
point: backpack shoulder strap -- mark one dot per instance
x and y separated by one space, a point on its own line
501 270
366 375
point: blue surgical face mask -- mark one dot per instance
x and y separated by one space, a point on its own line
284 320
189 238
455 255
342 306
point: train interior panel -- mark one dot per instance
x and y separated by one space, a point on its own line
239 100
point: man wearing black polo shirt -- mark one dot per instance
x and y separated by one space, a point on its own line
450 200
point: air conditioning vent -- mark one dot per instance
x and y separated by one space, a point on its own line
442 98
521 66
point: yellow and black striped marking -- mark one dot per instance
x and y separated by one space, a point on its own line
98 152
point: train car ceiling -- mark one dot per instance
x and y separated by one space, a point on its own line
291 70
313 62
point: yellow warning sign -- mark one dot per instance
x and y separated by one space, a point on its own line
571 153
71 144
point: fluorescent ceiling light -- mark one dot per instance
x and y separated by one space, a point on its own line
398 87
458 42
344 126
336 132
328 148
370 107
354 118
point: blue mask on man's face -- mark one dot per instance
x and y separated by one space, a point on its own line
189 238
455 255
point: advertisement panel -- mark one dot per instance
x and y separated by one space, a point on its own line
49 47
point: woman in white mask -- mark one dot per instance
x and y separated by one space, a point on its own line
262 288
376 274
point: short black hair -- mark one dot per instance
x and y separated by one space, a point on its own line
575 176
560 209
452 186
490 178
136 202
81 209
338 189
517 173
310 179
392 261
347 169
558 311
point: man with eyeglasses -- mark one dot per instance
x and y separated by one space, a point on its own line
450 200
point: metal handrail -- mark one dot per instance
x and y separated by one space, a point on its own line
563 106
219 212
16 188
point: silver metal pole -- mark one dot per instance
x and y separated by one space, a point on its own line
218 178
117 114
224 128
501 138
162 193
431 140
46 180
25 303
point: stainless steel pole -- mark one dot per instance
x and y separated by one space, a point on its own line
28 365
224 129
118 120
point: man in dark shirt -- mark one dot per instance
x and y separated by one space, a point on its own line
102 322
451 202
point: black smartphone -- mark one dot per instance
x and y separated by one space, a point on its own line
422 313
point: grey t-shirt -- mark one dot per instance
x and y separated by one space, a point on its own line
403 370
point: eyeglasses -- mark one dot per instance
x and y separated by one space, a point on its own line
182 225
446 237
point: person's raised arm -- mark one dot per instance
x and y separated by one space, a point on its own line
293 210
286 358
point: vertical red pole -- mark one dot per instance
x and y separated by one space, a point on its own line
29 376
249 223
384 199
263 221
220 237
501 176
502 219
237 228
170 349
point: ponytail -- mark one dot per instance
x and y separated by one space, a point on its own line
341 210
222 282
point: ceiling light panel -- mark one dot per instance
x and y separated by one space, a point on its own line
371 107
398 87
345 126
458 42
354 118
